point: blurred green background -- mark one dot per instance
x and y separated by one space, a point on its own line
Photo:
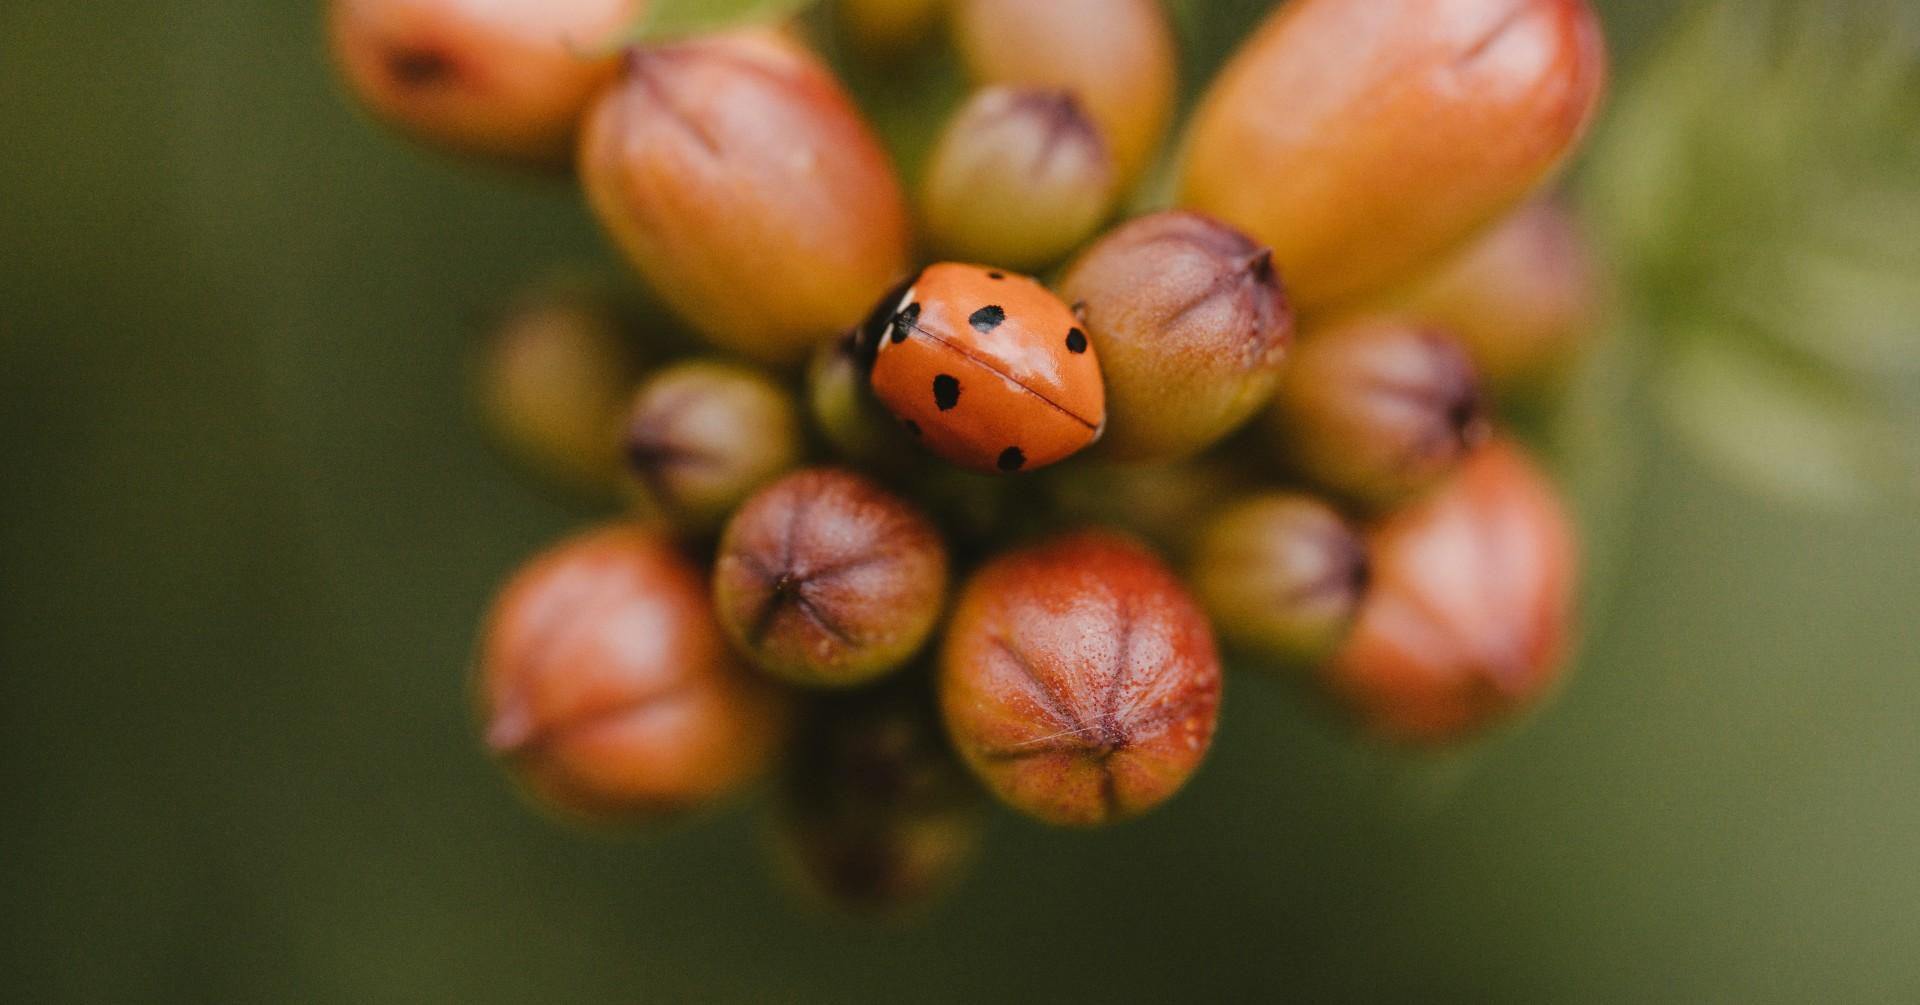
246 528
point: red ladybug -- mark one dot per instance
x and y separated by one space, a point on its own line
987 368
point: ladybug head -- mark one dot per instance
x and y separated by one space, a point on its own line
866 338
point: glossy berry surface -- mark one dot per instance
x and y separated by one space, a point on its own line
988 369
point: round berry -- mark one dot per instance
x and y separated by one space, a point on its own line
1376 410
1079 681
826 579
702 436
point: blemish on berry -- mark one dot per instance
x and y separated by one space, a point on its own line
418 67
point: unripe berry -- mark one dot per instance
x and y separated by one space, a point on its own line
1377 409
741 182
1362 139
1079 681
1467 619
607 688
702 436
826 579
1281 574
1165 504
841 403
1019 178
501 78
1524 297
1115 56
1192 326
876 814
552 378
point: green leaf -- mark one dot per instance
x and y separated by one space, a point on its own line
667 19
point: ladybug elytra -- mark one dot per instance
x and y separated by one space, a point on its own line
987 368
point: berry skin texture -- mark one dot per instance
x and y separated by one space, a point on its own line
1079 681
606 687
1115 56
1363 139
825 579
988 369
1468 617
1193 328
1282 575
1020 177
1525 297
505 79
740 181
1377 410
702 436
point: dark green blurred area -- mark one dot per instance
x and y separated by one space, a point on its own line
246 528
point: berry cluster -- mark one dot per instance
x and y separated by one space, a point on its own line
910 533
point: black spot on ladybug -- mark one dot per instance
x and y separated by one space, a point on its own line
996 275
946 391
1012 459
912 427
987 318
1076 340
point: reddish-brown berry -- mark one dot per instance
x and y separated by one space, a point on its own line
607 688
1079 681
1467 619
824 578
1525 298
1376 410
502 78
876 815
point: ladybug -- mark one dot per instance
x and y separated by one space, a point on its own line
987 368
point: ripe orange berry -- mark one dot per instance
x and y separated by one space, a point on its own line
502 78
1363 139
1467 618
740 180
1079 681
606 687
